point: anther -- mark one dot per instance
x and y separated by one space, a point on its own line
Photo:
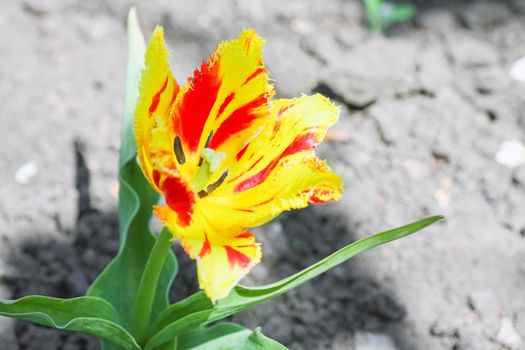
212 187
179 153
208 140
202 194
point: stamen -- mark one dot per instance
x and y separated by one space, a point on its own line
208 139
206 146
179 153
202 194
217 183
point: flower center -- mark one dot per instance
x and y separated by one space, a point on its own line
210 162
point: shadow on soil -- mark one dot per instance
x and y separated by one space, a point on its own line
64 264
327 311
329 308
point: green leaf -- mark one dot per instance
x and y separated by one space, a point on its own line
397 13
136 52
197 310
147 291
89 315
373 12
226 336
202 335
119 282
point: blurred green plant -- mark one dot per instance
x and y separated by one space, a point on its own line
127 306
382 14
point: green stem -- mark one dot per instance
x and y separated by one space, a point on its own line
148 286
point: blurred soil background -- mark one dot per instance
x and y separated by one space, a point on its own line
425 110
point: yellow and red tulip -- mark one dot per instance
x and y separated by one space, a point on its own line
226 156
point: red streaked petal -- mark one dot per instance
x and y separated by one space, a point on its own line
206 248
321 195
239 120
241 152
236 258
179 199
227 97
156 98
254 74
195 105
225 104
301 143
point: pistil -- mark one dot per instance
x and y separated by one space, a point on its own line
211 161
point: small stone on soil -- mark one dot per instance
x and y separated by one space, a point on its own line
373 341
507 334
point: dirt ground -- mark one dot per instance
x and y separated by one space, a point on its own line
424 112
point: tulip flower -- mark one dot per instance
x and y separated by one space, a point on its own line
226 156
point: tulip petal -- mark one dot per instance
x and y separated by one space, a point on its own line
278 169
223 257
158 89
225 102
297 126
221 266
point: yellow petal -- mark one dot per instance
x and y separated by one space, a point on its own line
158 89
278 169
292 185
297 126
221 266
223 257
225 102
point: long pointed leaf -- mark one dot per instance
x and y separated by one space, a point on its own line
227 336
373 11
397 13
197 310
203 335
119 282
89 315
